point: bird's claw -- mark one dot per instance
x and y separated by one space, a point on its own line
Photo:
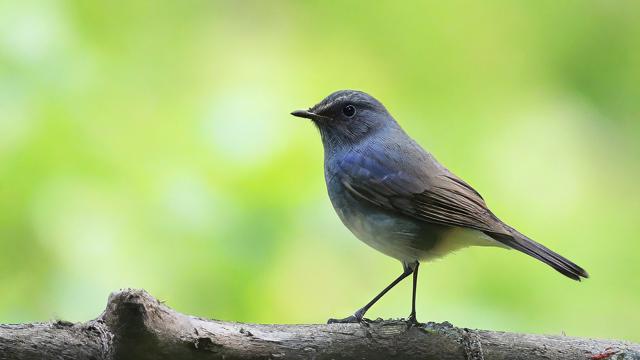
412 321
348 320
357 318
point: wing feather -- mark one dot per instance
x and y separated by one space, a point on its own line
433 194
438 197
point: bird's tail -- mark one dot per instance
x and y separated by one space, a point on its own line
522 243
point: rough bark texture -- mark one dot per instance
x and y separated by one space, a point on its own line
137 326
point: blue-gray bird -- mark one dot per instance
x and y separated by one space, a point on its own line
397 198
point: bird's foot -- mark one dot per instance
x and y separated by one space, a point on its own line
358 317
412 321
348 320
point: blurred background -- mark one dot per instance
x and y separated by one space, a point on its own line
151 146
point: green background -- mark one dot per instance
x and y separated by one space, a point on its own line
149 145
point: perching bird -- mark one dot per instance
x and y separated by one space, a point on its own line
396 197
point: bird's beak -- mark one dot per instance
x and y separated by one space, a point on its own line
308 115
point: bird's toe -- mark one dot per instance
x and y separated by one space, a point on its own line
348 320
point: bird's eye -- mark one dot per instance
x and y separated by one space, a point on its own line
349 110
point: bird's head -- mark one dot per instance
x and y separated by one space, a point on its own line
347 116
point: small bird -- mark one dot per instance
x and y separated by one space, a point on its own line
397 198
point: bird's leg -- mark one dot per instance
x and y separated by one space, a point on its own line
358 315
412 316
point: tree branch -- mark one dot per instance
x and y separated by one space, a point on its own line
137 326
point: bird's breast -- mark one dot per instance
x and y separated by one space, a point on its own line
398 235
393 234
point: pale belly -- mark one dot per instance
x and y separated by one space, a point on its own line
402 237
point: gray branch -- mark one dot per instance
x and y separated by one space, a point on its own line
137 326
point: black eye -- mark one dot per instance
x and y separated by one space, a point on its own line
349 110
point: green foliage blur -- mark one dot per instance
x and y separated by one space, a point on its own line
149 145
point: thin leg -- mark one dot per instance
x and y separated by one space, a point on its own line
412 317
357 317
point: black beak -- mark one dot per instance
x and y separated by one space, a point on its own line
308 115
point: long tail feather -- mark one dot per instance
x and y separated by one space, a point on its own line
524 244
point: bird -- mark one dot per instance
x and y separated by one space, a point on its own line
396 197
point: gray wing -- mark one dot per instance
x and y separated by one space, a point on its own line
428 192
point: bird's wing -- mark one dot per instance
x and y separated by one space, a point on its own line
431 193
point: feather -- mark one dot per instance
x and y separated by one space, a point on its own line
433 194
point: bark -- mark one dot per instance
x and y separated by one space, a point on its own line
137 326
